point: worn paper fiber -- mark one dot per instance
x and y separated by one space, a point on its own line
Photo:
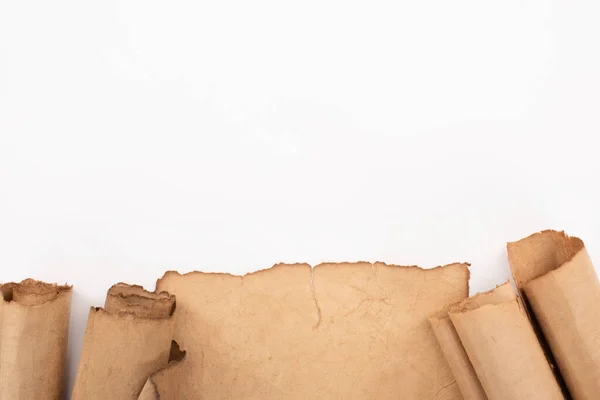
503 348
556 275
124 343
34 328
338 331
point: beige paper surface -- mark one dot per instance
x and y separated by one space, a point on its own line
503 348
124 344
457 358
168 383
34 328
556 275
338 331
453 350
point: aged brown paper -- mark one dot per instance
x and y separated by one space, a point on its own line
556 275
124 343
338 331
503 348
168 383
457 358
34 327
452 347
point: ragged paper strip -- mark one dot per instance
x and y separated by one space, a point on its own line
338 331
34 326
556 276
124 344
503 348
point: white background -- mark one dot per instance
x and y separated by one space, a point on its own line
139 136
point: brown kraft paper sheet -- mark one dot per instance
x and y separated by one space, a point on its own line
556 276
335 331
452 347
124 343
34 329
167 383
503 348
457 358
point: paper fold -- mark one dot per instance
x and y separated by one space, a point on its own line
168 382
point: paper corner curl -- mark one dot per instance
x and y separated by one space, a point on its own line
540 253
555 275
167 381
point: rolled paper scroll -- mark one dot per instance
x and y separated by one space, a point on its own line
502 347
124 343
554 273
34 329
453 349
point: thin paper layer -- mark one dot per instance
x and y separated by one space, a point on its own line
351 331
556 275
503 348
34 327
124 344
